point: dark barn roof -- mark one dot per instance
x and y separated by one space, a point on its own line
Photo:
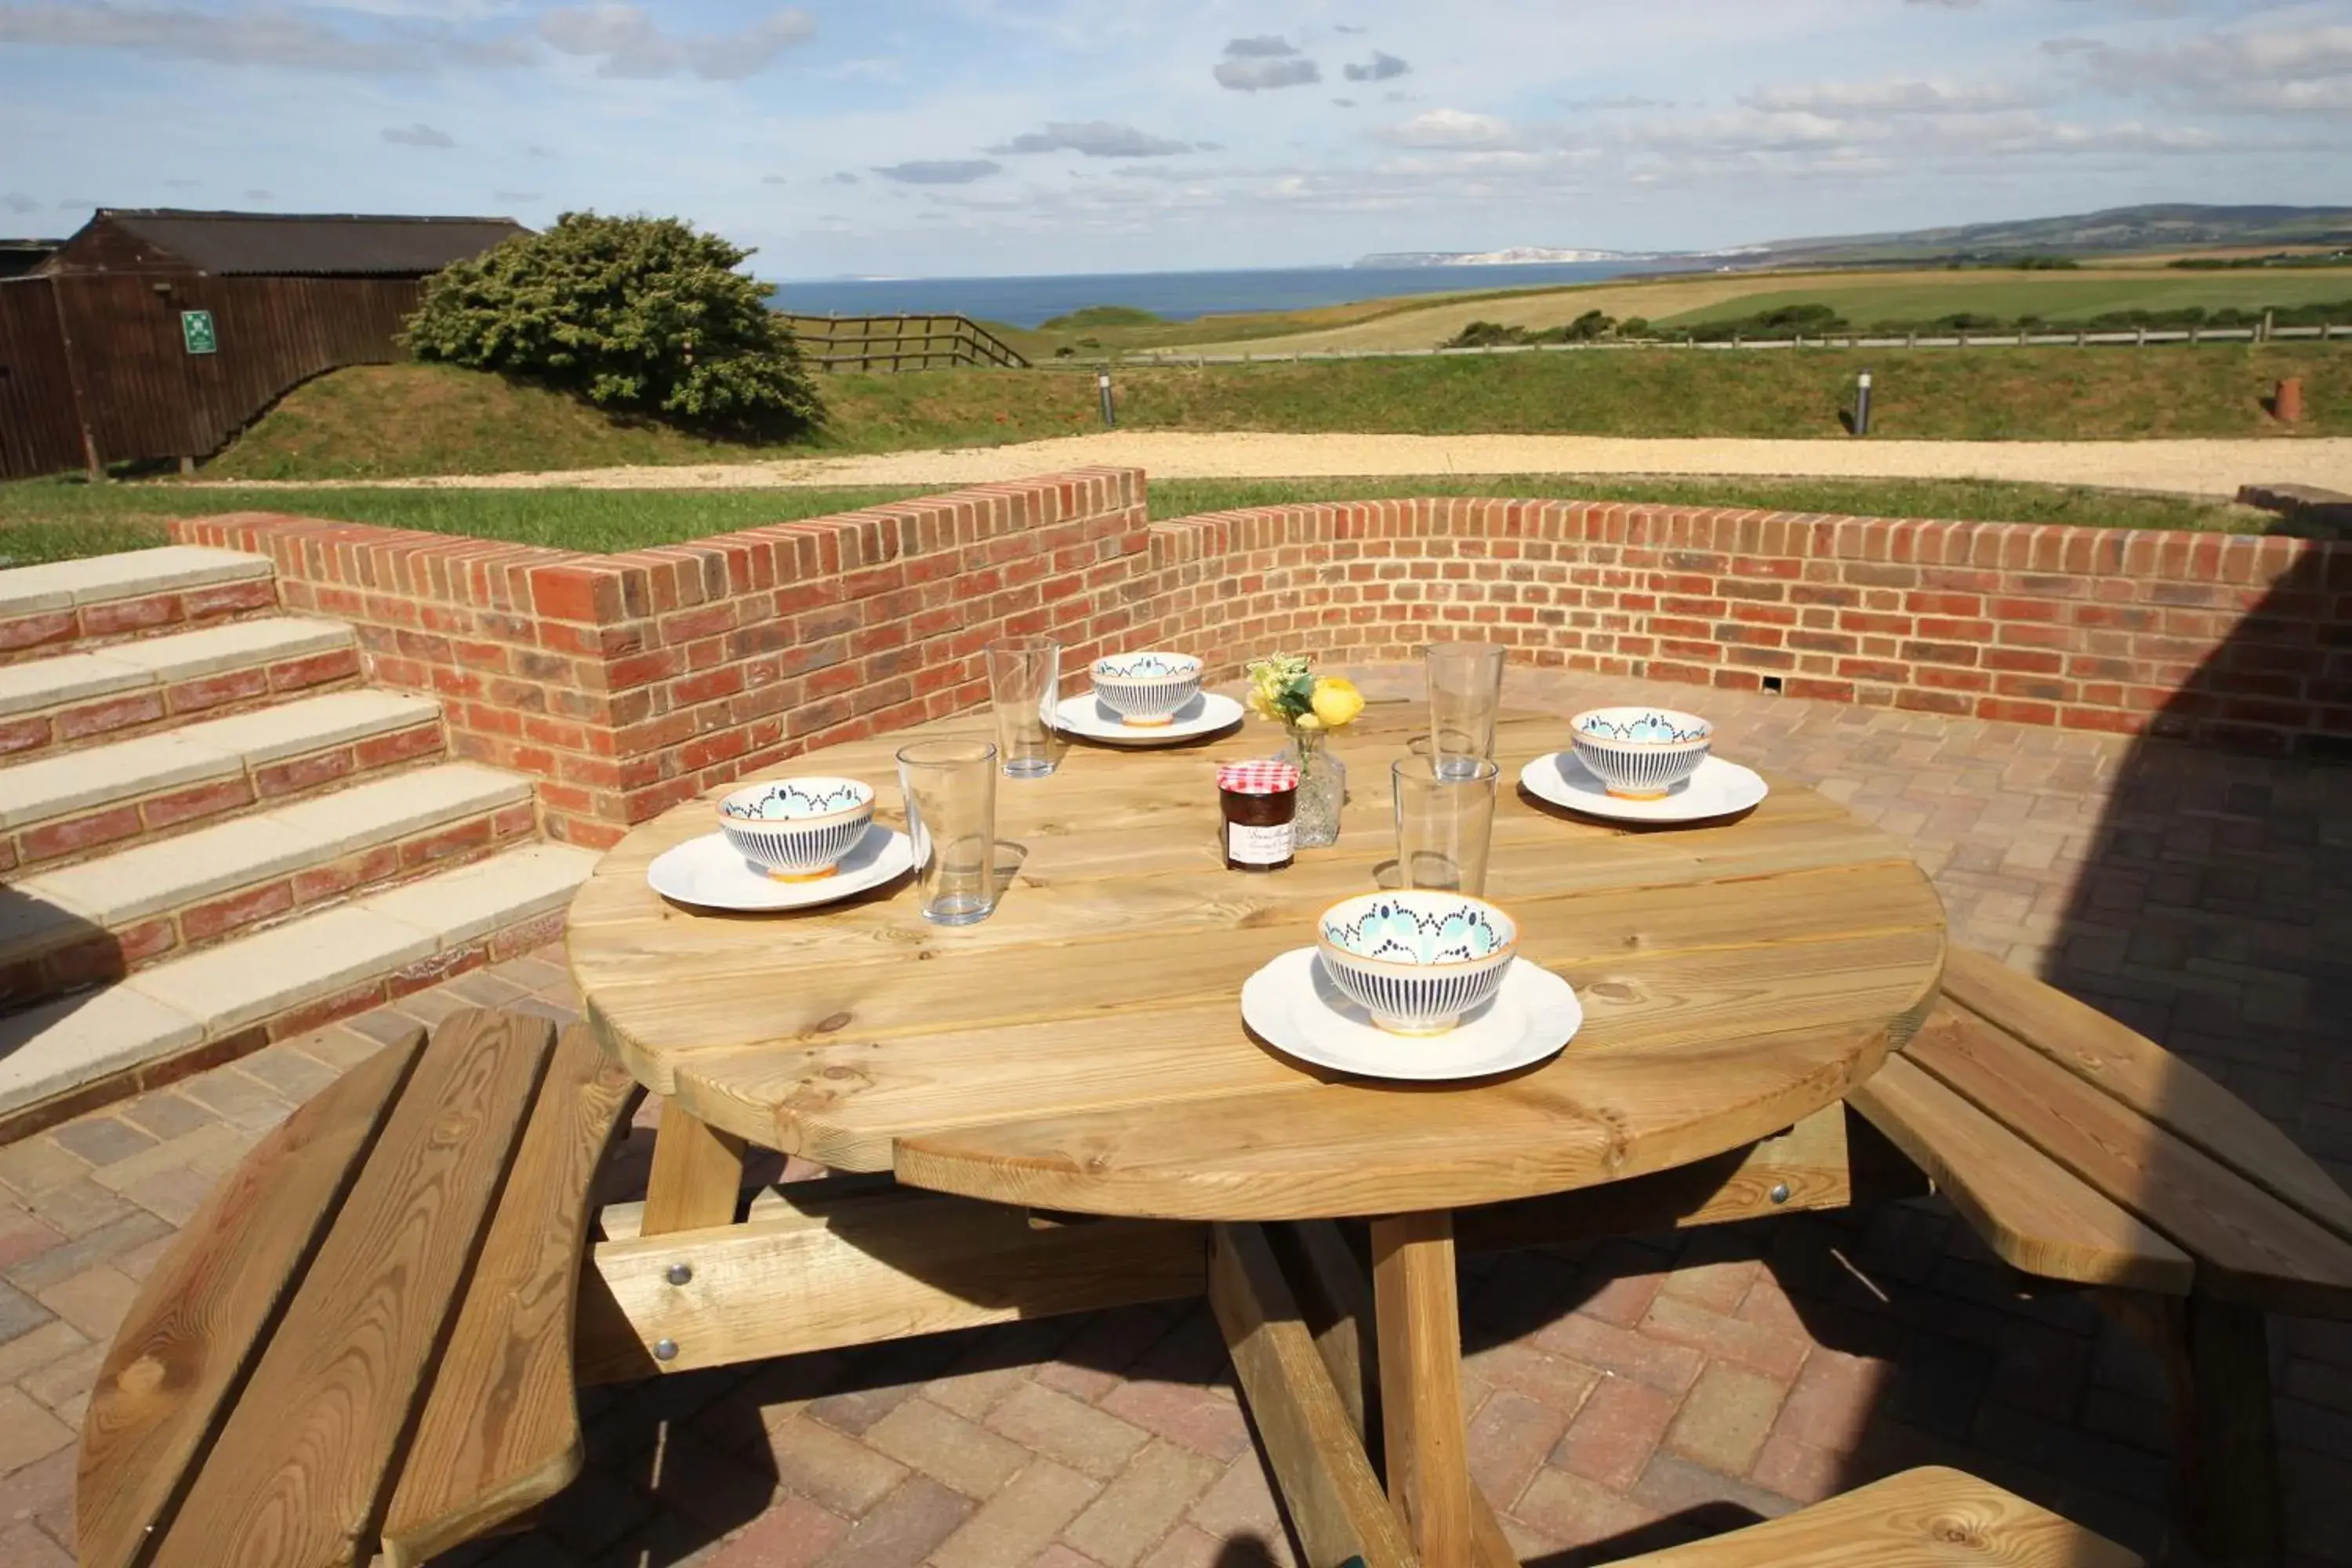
230 244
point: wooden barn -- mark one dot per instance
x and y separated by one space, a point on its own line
154 333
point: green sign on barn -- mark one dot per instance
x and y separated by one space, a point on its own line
196 331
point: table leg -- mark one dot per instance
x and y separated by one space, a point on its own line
1420 1331
696 1181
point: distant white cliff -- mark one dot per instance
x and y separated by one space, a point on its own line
1515 256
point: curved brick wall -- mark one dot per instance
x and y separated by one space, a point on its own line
629 682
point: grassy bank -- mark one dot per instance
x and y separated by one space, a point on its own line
402 421
51 521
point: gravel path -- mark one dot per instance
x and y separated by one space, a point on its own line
2187 467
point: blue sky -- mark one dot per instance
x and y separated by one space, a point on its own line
956 137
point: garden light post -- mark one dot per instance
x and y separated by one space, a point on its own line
1861 403
1102 387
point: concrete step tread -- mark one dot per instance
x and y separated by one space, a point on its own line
209 996
56 786
149 878
61 585
38 683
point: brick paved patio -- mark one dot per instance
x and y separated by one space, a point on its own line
1622 1395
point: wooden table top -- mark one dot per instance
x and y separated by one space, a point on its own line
1083 1049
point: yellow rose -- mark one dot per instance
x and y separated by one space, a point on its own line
1337 701
1261 703
1306 721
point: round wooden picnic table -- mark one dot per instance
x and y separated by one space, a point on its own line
1082 1050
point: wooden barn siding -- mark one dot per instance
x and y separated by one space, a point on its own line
142 394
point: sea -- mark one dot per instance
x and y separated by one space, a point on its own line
1178 296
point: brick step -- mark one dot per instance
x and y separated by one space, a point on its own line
125 689
198 1010
70 805
108 916
66 604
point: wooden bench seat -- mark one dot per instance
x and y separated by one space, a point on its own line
1927 1517
362 1341
2081 1150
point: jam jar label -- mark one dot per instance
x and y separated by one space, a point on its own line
1248 845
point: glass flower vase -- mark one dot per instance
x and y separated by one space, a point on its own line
1322 788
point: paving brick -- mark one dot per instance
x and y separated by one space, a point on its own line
903 1530
1775 1354
1143 1503
164 1114
1674 1485
42 1493
1724 1418
1576 1512
1605 1347
793 1533
19 1314
104 1244
1019 1521
27 1431
34 1347
93 1300
1613 1435
825 1466
103 1139
1830 1404
1079 1436
947 1447
1193 1416
22 1236
38 1164
23 1546
1510 1438
1239 1506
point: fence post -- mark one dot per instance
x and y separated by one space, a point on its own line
2141 342
2266 328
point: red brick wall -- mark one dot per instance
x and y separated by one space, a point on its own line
2240 639
628 682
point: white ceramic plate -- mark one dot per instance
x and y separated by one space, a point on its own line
1294 1007
1087 716
1717 789
709 873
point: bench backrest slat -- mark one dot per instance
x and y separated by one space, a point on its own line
200 1321
500 1428
2150 1079
2249 1248
300 1474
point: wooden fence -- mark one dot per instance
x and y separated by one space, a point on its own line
98 370
900 343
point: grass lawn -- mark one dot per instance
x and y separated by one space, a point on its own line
2055 297
402 421
53 519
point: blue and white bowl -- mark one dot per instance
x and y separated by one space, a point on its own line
1640 753
1147 688
797 830
1417 959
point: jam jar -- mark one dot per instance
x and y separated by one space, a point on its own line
1259 800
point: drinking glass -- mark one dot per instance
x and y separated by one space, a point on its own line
951 790
1444 821
1025 680
1465 686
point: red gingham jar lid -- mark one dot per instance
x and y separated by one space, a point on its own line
1264 776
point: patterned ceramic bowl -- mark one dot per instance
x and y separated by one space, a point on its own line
1640 753
1416 961
797 830
1147 688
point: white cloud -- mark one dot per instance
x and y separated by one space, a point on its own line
939 171
1262 64
2273 71
418 135
1899 95
1380 68
17 202
627 42
272 36
1094 139
1448 128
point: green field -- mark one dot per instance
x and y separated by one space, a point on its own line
59 520
405 421
2052 296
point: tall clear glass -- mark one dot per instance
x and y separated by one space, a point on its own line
951 790
1024 681
1444 821
1465 688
